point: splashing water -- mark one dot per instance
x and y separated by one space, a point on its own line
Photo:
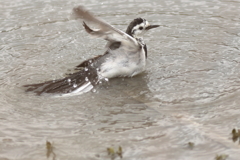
74 85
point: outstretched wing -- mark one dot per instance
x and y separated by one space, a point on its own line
79 82
105 30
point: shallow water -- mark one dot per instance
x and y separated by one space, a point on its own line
189 92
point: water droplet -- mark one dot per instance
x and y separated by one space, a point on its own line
86 78
69 80
106 79
74 85
86 69
94 90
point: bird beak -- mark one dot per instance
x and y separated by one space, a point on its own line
152 26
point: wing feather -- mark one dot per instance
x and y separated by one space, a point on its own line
105 30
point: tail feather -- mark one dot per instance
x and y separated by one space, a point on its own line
80 81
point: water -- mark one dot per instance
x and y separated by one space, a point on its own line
189 92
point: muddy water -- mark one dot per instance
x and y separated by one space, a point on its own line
188 94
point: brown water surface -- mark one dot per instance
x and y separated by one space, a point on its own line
189 92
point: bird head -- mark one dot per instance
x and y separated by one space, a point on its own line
138 27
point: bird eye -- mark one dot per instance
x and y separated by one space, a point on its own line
140 28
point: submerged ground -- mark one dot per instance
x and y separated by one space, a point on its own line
183 107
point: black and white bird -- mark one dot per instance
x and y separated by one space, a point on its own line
125 56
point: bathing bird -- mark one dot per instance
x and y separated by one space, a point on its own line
125 56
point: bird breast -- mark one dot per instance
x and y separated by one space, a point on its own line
119 63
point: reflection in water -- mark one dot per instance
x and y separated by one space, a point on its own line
189 93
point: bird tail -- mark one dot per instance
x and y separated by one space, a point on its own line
79 82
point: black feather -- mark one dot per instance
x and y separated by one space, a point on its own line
66 85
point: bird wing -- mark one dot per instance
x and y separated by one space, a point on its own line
78 82
105 30
89 62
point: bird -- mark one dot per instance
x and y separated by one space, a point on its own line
125 56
